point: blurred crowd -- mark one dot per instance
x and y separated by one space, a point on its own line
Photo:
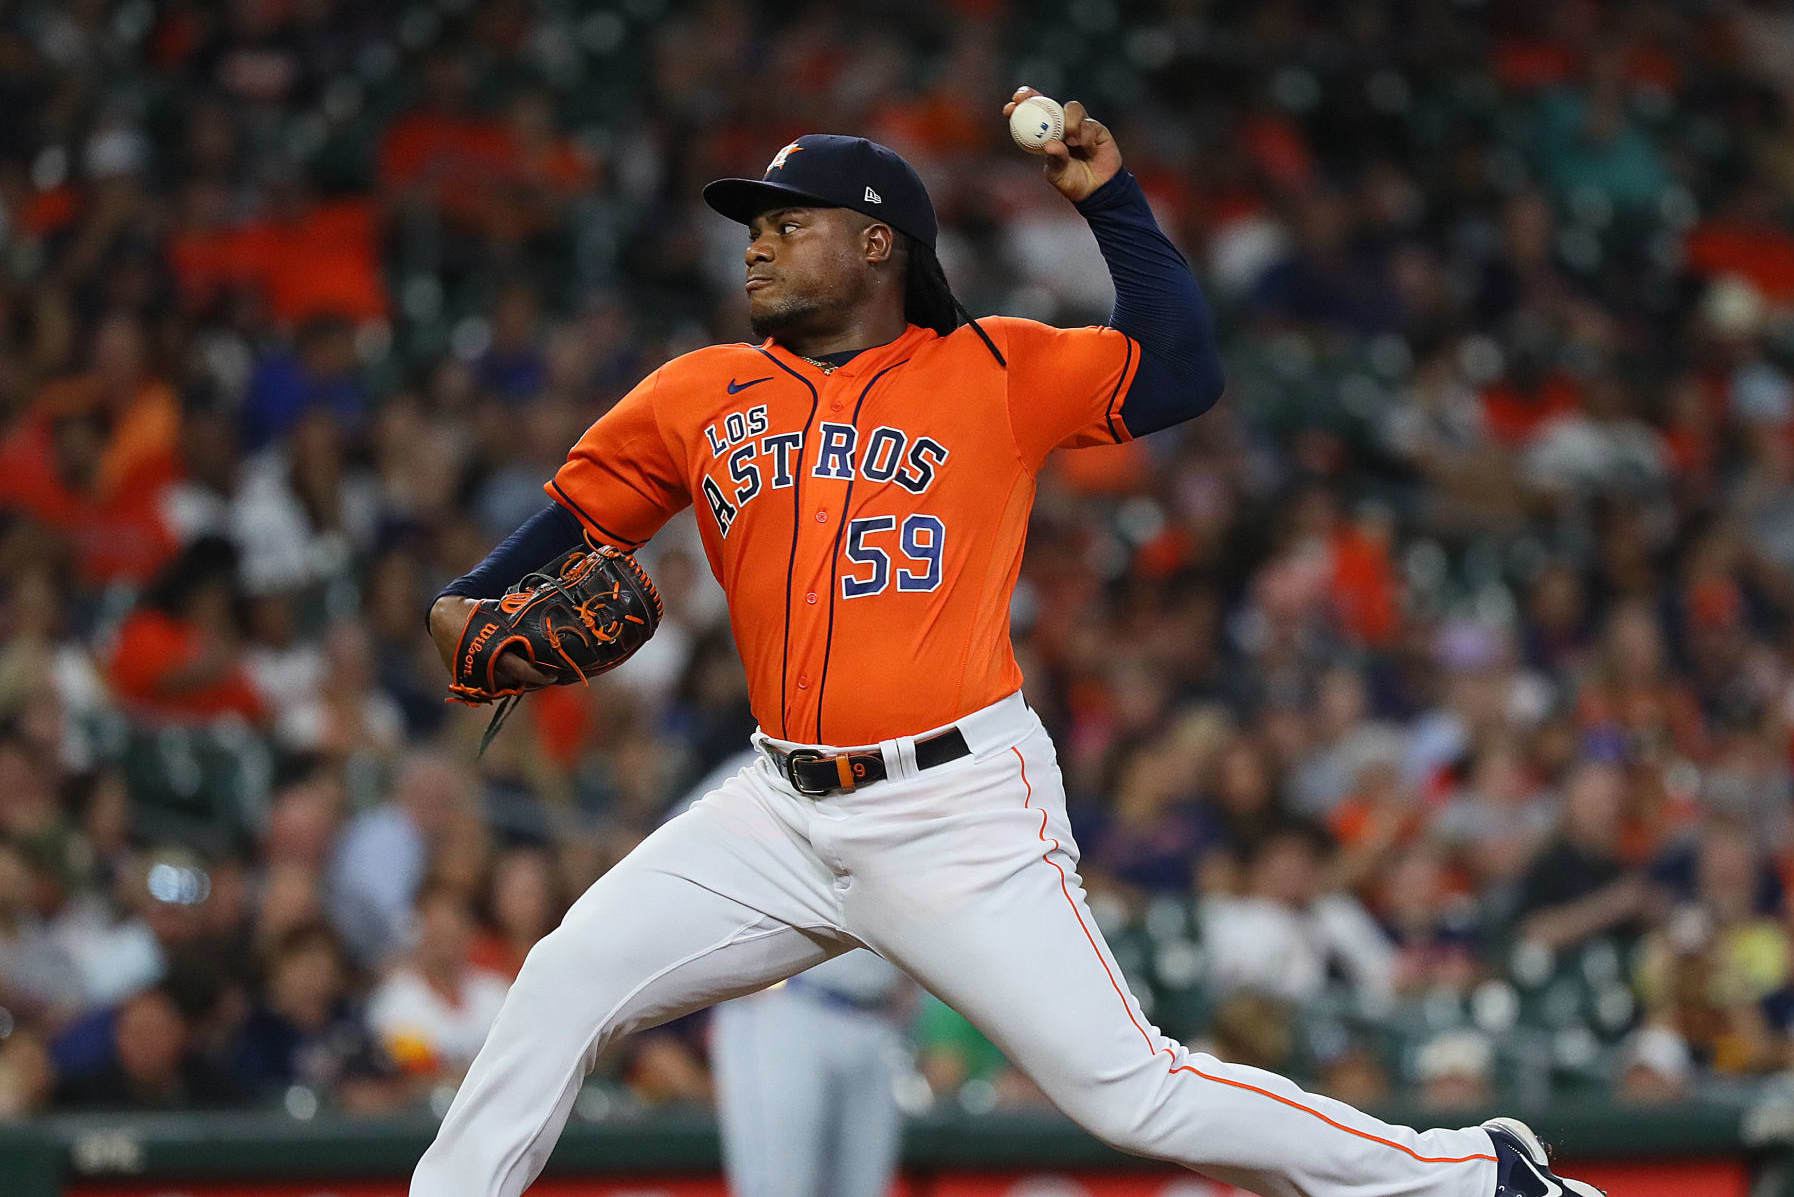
1427 709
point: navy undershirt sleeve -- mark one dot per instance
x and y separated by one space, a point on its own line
1158 304
538 540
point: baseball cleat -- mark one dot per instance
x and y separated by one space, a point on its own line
1523 1167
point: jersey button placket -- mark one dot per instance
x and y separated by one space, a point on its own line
819 542
838 391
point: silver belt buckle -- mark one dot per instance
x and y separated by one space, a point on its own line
791 760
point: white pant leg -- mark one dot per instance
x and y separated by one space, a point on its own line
772 1096
721 901
966 877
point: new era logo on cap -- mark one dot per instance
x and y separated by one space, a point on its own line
872 197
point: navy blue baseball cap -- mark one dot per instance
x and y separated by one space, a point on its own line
834 171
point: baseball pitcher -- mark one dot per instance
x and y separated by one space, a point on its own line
863 477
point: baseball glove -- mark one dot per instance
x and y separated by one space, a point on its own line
583 614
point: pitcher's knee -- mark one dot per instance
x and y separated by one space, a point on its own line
554 961
1143 1111
558 981
1120 1116
574 992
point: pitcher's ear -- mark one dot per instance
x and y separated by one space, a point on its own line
881 242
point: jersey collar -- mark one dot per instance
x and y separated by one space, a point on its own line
866 362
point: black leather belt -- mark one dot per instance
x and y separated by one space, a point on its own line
818 774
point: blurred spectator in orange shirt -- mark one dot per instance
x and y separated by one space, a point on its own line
320 258
501 179
307 259
442 153
1366 589
176 657
90 457
1747 238
938 122
537 171
1518 404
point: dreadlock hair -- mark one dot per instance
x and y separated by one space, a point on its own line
929 302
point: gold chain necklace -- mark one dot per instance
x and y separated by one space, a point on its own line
825 367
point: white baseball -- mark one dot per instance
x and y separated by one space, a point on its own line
1036 121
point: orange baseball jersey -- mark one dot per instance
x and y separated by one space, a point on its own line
866 523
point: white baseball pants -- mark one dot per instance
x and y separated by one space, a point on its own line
964 876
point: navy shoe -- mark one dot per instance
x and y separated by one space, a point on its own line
1522 1166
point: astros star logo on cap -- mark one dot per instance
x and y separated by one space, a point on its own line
778 159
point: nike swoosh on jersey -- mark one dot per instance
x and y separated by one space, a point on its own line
735 387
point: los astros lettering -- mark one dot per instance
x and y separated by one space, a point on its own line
751 463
